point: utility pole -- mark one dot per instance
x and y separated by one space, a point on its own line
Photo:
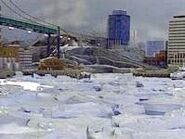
58 43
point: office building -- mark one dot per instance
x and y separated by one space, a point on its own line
25 58
154 47
176 43
119 28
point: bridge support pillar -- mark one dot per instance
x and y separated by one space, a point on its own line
58 43
49 45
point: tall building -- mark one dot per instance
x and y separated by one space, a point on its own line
154 47
176 42
118 28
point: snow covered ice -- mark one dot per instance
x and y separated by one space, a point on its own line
108 106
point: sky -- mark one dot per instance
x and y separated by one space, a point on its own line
148 17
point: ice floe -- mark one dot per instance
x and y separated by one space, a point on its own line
107 106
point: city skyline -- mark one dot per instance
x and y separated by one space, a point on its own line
150 18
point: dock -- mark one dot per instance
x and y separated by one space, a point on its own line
67 72
160 73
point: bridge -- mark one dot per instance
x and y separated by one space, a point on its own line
46 29
56 31
35 24
25 25
34 27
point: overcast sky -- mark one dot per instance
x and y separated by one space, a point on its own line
149 17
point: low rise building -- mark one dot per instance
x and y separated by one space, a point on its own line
9 58
30 55
159 60
25 58
154 47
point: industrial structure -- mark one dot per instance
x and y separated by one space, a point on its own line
118 28
176 42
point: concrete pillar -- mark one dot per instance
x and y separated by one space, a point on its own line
49 45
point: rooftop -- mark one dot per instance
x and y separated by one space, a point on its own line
179 16
119 12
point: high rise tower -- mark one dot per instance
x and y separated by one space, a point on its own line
176 42
119 28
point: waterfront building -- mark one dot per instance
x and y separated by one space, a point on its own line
9 58
25 58
159 60
118 28
176 42
154 47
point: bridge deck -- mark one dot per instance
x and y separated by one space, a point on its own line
24 25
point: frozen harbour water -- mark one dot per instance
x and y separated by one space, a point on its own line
108 106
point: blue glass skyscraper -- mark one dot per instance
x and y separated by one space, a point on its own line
119 28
